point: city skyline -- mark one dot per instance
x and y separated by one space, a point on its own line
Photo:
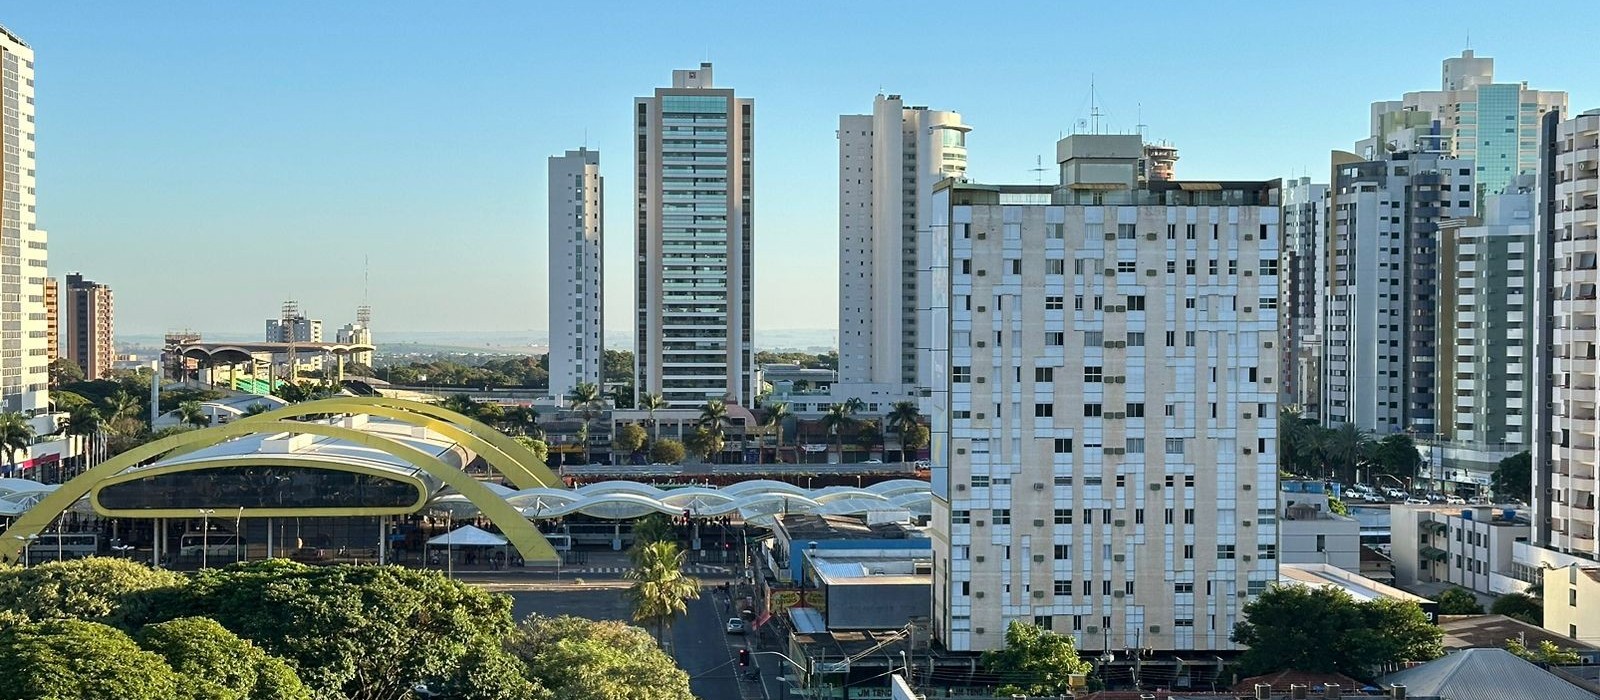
366 175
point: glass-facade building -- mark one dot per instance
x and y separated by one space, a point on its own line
694 241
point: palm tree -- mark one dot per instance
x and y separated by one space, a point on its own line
191 413
834 421
714 415
652 403
772 422
519 419
869 435
904 418
123 413
1346 446
585 398
257 409
660 588
81 423
854 405
462 404
15 434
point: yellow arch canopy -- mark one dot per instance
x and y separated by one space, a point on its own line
514 461
522 534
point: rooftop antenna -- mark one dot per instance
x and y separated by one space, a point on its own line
1038 169
1469 38
1094 106
1139 110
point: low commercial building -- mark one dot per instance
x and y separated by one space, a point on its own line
1309 532
1572 601
1464 546
1359 587
872 592
796 535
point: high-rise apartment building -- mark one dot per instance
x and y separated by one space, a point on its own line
359 332
577 270
1495 125
889 162
52 317
1301 292
89 319
1104 406
1380 327
293 327
24 330
1485 404
1566 431
695 246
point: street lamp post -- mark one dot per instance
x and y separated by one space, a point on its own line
27 543
205 537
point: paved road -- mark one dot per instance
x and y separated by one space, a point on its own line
706 651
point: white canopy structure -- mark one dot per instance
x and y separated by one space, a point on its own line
467 536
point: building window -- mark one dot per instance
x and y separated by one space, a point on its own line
1135 446
1126 266
980 481
1044 374
1091 410
1136 410
1572 597
960 517
1136 340
1224 551
1136 303
1063 446
1055 338
1054 303
1044 410
1093 339
1002 516
1126 232
1063 588
1055 267
960 374
1174 446
1063 552
1092 374
1063 517
1183 587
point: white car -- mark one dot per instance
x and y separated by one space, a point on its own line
1414 501
734 626
1455 500
873 461
1373 498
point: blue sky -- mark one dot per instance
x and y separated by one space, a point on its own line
209 160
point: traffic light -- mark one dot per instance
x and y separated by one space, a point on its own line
744 657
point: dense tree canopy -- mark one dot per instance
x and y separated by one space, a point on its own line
215 664
1326 630
667 451
101 590
582 660
1522 607
1513 477
1459 601
79 660
827 360
1035 661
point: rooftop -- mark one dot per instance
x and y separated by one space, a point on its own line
1492 631
1326 576
1484 674
808 526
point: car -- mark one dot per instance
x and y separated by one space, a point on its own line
1436 497
873 461
1394 493
1455 500
1374 498
920 464
1414 501
735 626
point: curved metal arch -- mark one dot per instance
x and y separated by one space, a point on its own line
507 456
423 487
527 539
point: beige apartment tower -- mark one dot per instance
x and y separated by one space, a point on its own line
695 246
24 330
577 270
1104 406
88 332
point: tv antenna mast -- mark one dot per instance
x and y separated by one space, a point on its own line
1038 169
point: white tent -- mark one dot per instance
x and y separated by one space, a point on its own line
467 536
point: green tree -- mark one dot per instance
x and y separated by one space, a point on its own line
585 399
16 435
81 424
521 420
216 664
1459 601
705 442
652 403
539 448
622 396
772 424
64 371
1034 661
462 404
300 392
257 408
905 420
1325 630
651 529
713 418
660 589
491 413
192 413
868 435
1345 448
617 367
834 422
352 631
1545 653
1396 455
580 659
79 660
630 438
1520 606
1337 506
1513 477
668 451
99 589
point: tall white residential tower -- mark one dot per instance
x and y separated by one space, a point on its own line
1302 288
24 327
577 270
889 162
1104 406
695 247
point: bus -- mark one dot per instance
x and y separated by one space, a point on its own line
63 545
217 544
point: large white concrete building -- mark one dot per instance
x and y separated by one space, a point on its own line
1470 117
695 246
1379 333
1486 336
1104 403
1566 431
889 162
577 270
1302 289
24 327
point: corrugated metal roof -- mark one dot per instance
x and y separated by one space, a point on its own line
1484 674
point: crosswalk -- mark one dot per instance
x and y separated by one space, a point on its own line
692 569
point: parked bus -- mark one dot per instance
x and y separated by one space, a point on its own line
65 545
217 544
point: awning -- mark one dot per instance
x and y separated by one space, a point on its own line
1434 553
1098 186
1199 186
468 536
